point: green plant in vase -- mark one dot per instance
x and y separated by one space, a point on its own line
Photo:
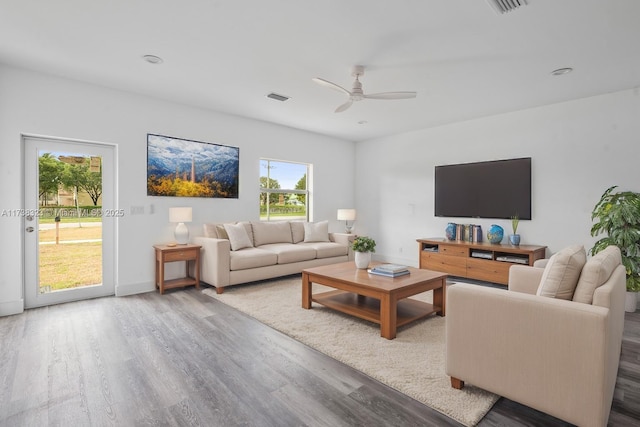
363 246
515 237
618 215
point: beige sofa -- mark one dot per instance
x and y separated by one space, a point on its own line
548 347
244 252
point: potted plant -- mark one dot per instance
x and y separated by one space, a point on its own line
515 237
618 215
363 246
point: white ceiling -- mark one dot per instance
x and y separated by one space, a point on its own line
464 59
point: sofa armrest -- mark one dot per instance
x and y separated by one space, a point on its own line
525 279
341 238
541 263
215 260
345 240
546 353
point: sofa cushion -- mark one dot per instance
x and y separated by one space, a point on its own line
561 273
596 272
247 226
238 236
210 230
288 252
251 258
297 231
316 231
222 232
216 231
327 249
271 232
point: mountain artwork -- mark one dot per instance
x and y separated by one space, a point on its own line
183 168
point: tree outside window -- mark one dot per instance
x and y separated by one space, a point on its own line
283 190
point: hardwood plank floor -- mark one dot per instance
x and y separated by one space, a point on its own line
185 359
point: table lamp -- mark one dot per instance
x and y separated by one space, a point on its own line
347 215
180 215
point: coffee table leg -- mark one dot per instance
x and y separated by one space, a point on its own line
306 291
440 297
388 317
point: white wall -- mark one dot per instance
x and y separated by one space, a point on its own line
35 103
578 150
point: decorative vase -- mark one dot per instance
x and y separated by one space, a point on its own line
631 302
362 259
495 234
450 231
514 239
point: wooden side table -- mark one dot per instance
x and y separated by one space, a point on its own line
184 253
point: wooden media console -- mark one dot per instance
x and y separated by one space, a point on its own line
481 261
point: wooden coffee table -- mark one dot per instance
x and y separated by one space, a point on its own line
378 299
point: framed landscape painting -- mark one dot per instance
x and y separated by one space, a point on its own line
183 168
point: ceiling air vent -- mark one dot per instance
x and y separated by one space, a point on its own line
277 97
504 6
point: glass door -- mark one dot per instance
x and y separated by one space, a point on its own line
69 220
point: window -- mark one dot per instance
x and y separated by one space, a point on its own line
284 193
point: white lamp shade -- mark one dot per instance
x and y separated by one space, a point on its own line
346 214
180 215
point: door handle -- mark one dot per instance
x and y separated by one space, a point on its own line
30 229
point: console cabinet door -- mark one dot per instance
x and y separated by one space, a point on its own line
489 271
454 265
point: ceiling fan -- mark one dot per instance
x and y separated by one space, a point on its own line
357 94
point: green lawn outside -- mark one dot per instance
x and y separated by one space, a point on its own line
70 265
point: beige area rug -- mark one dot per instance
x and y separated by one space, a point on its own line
412 363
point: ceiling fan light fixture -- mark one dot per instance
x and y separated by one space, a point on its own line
356 93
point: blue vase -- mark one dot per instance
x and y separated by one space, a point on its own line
514 239
495 234
450 231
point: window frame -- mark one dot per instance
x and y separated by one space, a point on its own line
269 191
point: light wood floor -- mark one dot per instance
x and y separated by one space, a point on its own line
185 359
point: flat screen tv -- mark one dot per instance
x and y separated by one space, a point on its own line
494 189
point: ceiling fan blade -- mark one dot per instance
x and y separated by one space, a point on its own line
392 95
331 85
344 106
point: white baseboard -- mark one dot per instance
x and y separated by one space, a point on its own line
10 308
134 288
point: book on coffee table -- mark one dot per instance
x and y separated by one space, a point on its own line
385 273
391 268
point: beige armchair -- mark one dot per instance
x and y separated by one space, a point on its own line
558 356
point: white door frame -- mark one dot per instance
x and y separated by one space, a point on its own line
31 146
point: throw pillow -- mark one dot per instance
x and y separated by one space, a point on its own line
595 272
210 230
297 231
316 231
238 236
561 274
271 232
222 233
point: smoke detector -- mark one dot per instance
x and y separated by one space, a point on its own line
504 6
